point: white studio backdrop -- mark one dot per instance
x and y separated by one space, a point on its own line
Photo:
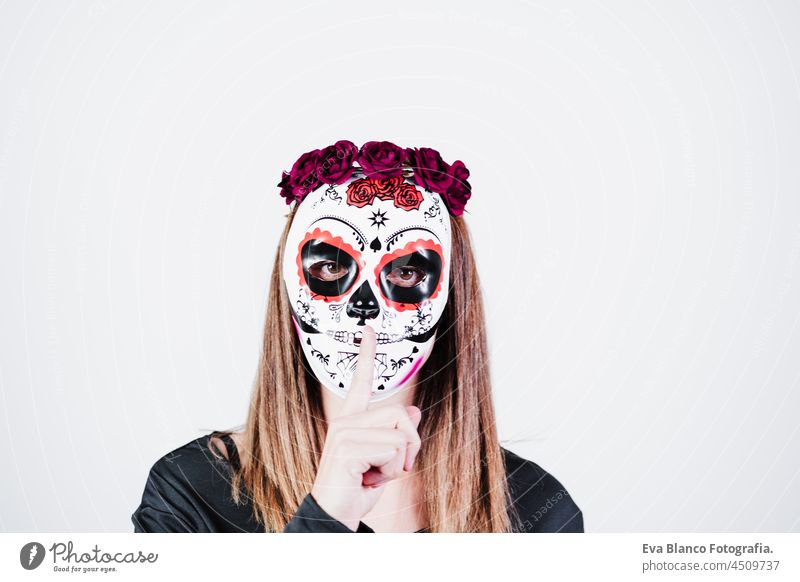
635 211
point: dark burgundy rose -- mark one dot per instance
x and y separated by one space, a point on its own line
460 190
303 178
286 190
407 197
385 189
430 171
360 192
381 159
335 163
459 171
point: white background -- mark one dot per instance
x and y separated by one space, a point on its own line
636 214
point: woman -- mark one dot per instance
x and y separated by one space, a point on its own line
372 408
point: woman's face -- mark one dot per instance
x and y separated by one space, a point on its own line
373 252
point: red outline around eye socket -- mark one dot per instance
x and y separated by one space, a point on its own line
407 250
336 241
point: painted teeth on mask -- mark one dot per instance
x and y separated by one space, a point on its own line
354 338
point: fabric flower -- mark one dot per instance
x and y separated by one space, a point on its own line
430 171
286 189
381 159
303 179
459 191
335 164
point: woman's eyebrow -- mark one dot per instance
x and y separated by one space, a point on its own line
362 240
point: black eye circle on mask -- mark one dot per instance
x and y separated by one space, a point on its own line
328 270
411 278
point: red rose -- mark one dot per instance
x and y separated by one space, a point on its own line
385 189
407 197
360 192
335 163
381 159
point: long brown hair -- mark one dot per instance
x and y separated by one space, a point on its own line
460 463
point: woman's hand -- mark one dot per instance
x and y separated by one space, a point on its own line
364 449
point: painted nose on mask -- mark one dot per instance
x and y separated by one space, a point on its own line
363 304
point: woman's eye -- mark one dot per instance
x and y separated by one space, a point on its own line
327 271
406 276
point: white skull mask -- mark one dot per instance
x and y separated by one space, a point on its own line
374 252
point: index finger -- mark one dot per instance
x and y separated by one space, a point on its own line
360 390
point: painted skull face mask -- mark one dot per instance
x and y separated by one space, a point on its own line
368 252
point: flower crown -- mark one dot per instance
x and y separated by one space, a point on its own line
378 160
